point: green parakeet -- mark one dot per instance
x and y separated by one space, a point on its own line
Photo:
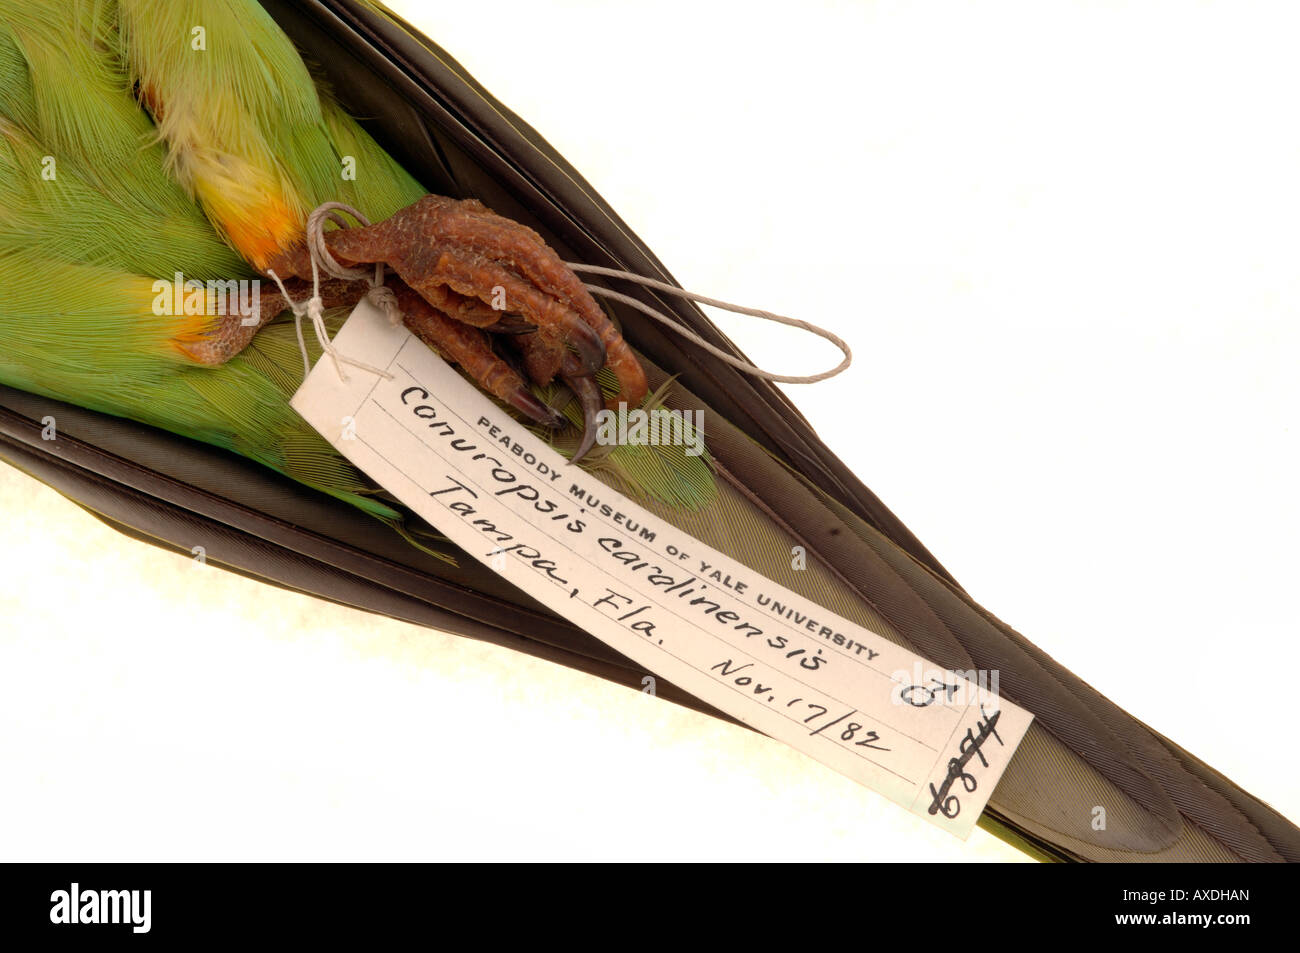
101 205
144 140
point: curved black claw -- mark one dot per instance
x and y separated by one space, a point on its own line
511 323
523 400
583 339
588 394
590 348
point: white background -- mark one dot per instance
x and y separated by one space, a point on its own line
1062 239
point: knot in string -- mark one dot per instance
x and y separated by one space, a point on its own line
379 294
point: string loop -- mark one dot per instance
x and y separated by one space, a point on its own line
740 365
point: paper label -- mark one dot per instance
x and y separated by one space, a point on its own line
932 740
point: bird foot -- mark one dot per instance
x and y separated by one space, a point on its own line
467 272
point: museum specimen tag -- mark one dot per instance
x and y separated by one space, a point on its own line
932 740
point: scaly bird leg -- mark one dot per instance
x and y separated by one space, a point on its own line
465 284
472 350
489 272
227 335
471 226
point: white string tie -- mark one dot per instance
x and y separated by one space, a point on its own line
379 294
